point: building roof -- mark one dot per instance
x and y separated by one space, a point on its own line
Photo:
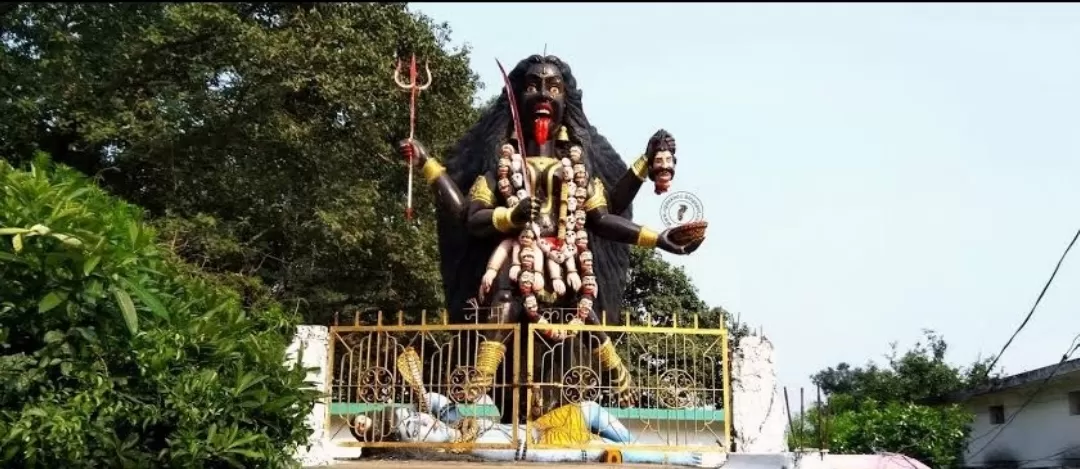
1037 375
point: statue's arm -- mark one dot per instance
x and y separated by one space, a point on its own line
447 194
620 230
482 217
478 211
627 188
610 226
646 166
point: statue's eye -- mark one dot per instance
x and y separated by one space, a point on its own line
554 90
530 89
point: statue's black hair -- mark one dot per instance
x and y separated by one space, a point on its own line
464 258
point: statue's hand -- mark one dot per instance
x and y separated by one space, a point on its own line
413 151
558 286
665 242
538 281
524 210
514 271
574 280
486 282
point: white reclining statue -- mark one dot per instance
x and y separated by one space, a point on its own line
576 426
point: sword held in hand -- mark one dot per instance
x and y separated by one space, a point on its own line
520 137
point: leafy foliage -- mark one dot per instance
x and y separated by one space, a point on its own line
932 434
895 408
920 375
115 354
657 290
258 135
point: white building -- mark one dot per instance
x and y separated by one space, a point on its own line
1025 421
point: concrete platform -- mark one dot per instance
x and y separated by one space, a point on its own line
734 461
397 464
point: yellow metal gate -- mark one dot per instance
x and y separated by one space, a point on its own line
668 385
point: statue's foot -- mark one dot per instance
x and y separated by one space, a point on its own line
468 430
624 391
626 399
619 374
488 359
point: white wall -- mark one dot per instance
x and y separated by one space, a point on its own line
1042 429
312 342
760 419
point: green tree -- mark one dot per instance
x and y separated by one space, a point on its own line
920 375
898 407
113 353
260 136
657 290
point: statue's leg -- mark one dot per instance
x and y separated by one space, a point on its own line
609 359
604 424
492 350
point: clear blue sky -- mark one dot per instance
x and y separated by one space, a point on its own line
868 170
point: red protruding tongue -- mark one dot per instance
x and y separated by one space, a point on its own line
541 128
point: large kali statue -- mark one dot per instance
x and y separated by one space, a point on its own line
543 219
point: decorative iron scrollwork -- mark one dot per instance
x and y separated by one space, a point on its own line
580 384
677 389
462 385
376 385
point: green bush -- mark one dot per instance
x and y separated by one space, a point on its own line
115 354
935 435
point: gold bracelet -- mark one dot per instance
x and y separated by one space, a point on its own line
646 238
641 167
501 220
432 170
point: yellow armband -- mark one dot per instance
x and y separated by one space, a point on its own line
432 170
641 167
501 220
646 238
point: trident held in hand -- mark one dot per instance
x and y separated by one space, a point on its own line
414 88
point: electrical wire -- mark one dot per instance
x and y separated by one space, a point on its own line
1036 305
1073 347
1049 456
1027 318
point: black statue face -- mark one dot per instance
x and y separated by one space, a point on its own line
542 101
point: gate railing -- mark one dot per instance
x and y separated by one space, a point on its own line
665 386
379 371
676 377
